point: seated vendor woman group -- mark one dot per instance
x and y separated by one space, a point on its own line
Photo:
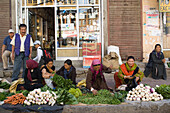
129 73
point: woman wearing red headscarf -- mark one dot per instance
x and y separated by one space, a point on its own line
95 79
32 78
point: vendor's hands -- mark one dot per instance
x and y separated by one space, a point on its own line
127 77
137 78
94 92
111 66
13 56
32 83
163 60
29 56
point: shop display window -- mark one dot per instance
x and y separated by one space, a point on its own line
89 27
66 29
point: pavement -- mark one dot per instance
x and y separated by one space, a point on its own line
81 74
127 107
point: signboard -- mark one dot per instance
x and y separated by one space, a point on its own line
164 5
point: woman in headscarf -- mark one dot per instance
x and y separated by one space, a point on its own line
48 72
95 79
156 65
32 78
68 71
129 74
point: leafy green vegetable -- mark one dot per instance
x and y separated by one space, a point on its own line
5 85
65 97
24 92
121 95
168 64
60 82
164 90
76 92
3 96
45 88
103 97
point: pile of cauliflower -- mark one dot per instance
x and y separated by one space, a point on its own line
143 93
39 98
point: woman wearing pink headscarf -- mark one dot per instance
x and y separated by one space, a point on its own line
95 79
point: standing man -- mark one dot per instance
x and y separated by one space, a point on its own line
21 50
7 52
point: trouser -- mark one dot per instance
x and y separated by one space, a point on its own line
19 60
5 57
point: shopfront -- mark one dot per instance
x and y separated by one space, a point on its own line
65 27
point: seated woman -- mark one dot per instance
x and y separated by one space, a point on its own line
156 65
68 71
47 71
129 73
95 79
32 78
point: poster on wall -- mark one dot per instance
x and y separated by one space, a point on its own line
152 19
152 23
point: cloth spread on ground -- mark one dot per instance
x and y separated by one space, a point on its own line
34 108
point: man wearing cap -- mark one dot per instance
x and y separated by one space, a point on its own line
37 44
7 52
21 50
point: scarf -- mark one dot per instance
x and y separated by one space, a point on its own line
158 54
66 73
94 72
127 70
31 64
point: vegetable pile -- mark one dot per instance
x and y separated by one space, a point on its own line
60 82
168 64
143 93
76 92
39 98
15 99
103 97
4 85
164 90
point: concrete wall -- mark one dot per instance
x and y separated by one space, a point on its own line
149 41
105 25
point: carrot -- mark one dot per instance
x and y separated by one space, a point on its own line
15 99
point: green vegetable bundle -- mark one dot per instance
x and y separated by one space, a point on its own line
76 92
3 95
24 92
164 90
60 82
121 95
168 64
103 97
5 85
65 97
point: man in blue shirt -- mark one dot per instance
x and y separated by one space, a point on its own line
7 49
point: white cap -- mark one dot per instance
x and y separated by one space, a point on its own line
10 31
37 42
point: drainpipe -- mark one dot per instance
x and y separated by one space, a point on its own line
10 17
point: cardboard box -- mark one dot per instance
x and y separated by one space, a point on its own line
111 60
91 49
87 60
